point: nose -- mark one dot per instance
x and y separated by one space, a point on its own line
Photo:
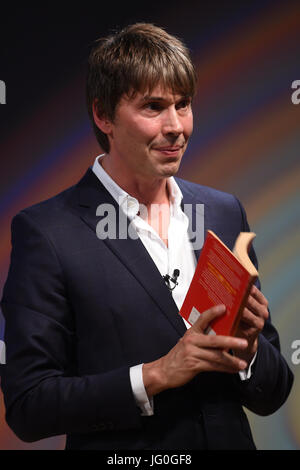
172 124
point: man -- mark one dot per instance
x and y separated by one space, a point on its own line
95 346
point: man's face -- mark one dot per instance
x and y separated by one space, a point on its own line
150 132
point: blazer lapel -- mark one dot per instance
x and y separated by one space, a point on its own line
131 252
198 215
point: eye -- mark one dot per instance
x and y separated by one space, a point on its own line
184 103
154 106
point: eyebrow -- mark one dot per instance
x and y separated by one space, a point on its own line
160 98
154 98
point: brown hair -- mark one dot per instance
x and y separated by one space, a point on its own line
132 60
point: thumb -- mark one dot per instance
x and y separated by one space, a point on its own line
207 317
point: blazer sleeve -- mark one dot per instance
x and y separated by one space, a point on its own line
271 379
43 394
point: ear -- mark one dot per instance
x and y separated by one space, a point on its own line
102 122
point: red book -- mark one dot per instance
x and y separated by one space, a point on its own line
221 277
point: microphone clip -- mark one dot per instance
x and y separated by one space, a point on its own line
167 278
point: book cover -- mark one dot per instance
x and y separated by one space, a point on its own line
221 277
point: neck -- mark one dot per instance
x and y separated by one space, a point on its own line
146 190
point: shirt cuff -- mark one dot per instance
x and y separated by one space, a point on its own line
246 374
143 402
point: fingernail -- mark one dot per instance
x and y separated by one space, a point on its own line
221 308
242 365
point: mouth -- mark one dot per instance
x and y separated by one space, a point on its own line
172 150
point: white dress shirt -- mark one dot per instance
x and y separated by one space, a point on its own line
177 255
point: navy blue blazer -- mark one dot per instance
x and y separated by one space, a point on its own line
80 312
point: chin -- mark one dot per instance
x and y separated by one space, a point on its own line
168 174
170 170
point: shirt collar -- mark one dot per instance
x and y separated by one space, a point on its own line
129 204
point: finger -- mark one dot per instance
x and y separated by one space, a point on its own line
259 296
224 343
222 361
252 320
257 308
207 317
213 342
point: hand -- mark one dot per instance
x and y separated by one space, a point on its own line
195 352
252 322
